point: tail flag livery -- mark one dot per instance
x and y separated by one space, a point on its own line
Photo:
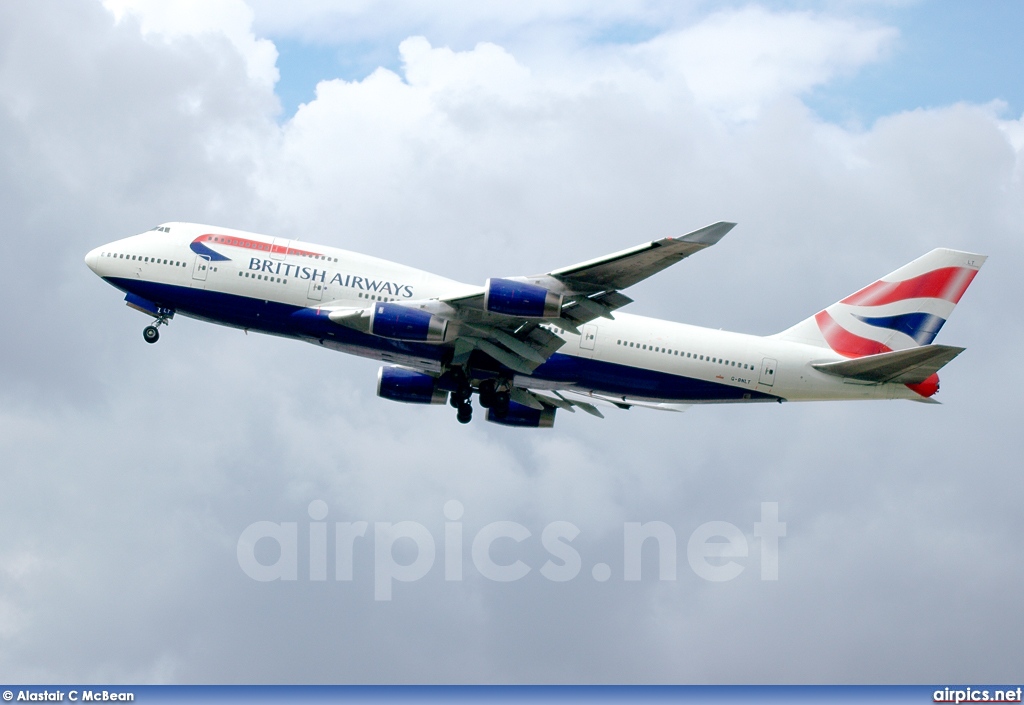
900 311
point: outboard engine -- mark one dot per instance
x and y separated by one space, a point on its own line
523 416
521 299
400 322
409 386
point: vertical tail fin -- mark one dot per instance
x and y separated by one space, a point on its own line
901 310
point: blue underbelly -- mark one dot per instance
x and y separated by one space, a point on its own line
308 324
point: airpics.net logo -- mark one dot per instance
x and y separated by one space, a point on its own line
716 551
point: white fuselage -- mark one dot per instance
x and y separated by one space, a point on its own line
261 281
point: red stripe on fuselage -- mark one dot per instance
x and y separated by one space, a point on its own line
249 244
948 283
843 341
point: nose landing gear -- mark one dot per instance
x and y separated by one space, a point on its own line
151 334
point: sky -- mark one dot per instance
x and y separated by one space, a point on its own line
474 140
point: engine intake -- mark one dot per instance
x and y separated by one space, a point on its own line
523 416
399 322
520 299
409 386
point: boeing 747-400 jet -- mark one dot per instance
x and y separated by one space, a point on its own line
530 345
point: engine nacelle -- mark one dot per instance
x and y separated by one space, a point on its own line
521 299
523 416
409 386
399 322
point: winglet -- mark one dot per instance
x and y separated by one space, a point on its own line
708 235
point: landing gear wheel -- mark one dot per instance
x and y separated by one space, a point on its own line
500 404
461 396
150 334
487 393
465 414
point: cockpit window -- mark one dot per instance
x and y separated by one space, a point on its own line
160 229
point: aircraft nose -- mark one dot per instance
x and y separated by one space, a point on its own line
92 259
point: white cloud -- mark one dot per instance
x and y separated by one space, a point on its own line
194 18
130 470
738 60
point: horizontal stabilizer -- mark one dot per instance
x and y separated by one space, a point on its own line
911 366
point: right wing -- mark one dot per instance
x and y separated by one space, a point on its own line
568 298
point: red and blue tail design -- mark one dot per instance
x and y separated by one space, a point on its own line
902 310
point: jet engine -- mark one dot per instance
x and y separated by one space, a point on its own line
523 416
521 299
399 322
409 386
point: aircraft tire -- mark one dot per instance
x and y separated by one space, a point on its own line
465 414
487 394
501 402
150 334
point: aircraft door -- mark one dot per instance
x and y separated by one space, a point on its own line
768 366
279 248
201 268
316 290
589 337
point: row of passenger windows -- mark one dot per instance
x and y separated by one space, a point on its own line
374 297
140 258
274 280
680 353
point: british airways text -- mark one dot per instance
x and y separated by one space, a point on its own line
350 280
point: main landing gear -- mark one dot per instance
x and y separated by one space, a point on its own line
151 334
494 395
462 399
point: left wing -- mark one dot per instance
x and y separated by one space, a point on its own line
510 319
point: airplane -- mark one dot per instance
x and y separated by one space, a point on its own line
529 346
